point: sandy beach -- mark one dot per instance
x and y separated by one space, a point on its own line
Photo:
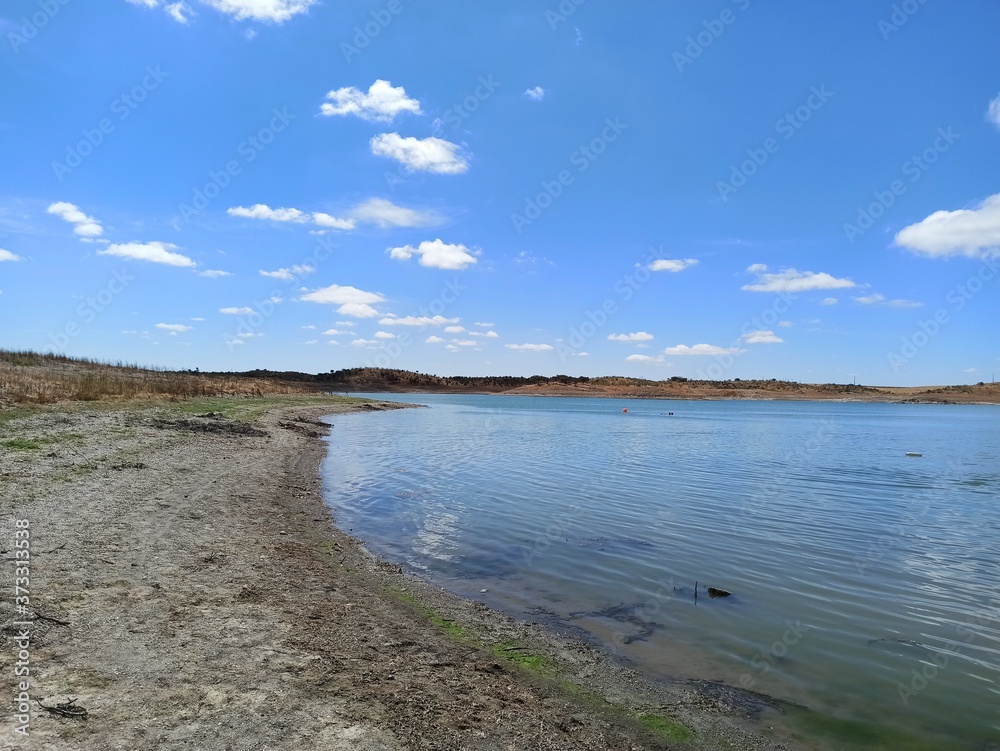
189 589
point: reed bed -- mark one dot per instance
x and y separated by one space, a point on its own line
34 378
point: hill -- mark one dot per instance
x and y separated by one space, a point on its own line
30 377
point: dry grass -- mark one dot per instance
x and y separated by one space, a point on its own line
32 378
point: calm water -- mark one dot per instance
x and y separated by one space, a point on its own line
866 584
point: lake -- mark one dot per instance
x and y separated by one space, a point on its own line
865 583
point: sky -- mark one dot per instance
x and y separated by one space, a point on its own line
725 189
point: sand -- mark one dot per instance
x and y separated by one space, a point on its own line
189 589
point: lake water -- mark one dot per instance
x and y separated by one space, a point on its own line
865 583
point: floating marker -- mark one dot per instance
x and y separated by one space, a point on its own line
913 453
625 410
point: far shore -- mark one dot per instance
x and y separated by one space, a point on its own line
879 395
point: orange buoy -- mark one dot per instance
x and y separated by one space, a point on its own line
625 410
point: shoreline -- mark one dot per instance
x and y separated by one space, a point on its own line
214 602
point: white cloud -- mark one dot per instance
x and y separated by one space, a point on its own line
287 274
638 336
198 318
385 213
872 299
993 111
672 264
485 324
531 347
367 343
154 252
535 94
644 358
876 298
454 329
425 155
6 255
381 104
417 321
761 337
145 3
384 335
174 328
357 310
312 341
351 301
828 301
332 222
790 280
434 340
485 334
85 226
464 342
214 273
970 232
276 11
264 212
331 332
348 324
702 349
784 324
580 354
177 11
437 254
234 311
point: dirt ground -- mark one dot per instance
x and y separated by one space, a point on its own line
189 590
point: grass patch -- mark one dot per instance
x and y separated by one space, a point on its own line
33 444
22 444
666 727
448 626
515 654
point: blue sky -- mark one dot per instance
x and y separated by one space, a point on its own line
726 189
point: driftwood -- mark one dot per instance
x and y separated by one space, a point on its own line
65 709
